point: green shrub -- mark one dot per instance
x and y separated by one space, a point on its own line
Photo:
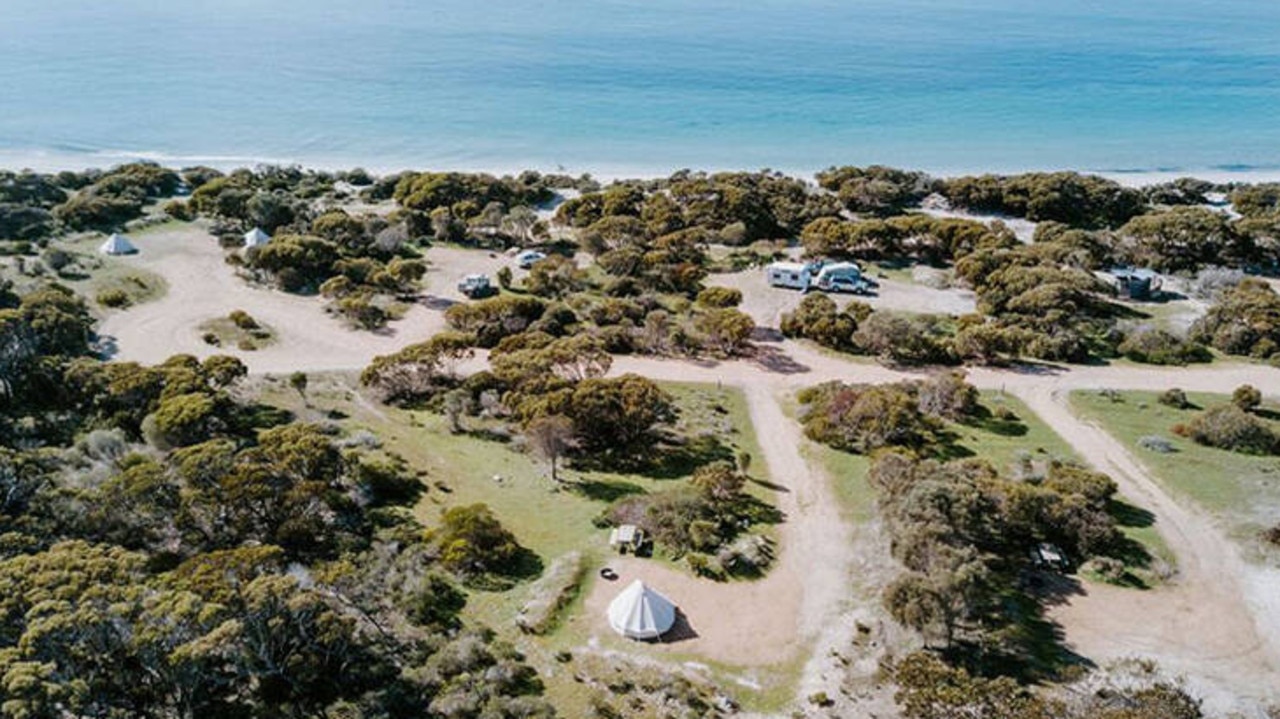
1229 427
1175 398
1155 346
113 298
720 297
1246 397
243 320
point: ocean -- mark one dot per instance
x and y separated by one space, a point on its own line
616 87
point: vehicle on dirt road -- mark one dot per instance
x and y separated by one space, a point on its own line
529 258
477 287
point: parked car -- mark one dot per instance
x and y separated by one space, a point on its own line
856 286
476 287
529 258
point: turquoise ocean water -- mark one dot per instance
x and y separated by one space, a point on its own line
615 86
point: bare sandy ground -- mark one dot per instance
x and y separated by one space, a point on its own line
766 304
1218 620
1022 228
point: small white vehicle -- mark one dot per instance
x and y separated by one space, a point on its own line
529 258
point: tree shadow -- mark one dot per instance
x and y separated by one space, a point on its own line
487 434
946 447
995 425
1025 644
604 490
773 359
440 304
256 416
1130 515
774 486
755 511
680 460
1266 413
766 334
525 565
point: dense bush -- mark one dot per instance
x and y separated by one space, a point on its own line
905 339
1185 239
491 319
116 197
471 541
1155 346
1077 200
1229 427
1175 398
705 516
876 189
171 566
720 297
920 237
961 531
1245 320
863 418
818 319
1247 397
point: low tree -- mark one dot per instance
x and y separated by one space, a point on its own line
298 381
1247 397
470 540
727 330
551 437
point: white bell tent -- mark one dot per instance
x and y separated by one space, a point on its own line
117 244
641 613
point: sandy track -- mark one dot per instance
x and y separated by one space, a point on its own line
1202 623
766 621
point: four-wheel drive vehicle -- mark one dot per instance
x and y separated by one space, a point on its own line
857 286
476 287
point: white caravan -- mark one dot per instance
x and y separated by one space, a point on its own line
795 275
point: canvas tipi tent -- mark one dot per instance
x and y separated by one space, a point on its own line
117 244
255 238
641 613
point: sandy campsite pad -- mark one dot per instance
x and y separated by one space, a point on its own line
737 623
203 287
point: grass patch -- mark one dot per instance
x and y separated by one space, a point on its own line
107 283
1241 490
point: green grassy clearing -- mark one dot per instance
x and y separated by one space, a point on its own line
548 519
1243 491
107 283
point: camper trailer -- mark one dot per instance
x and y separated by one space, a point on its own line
840 277
795 275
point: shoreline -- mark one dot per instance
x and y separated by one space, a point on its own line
52 161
